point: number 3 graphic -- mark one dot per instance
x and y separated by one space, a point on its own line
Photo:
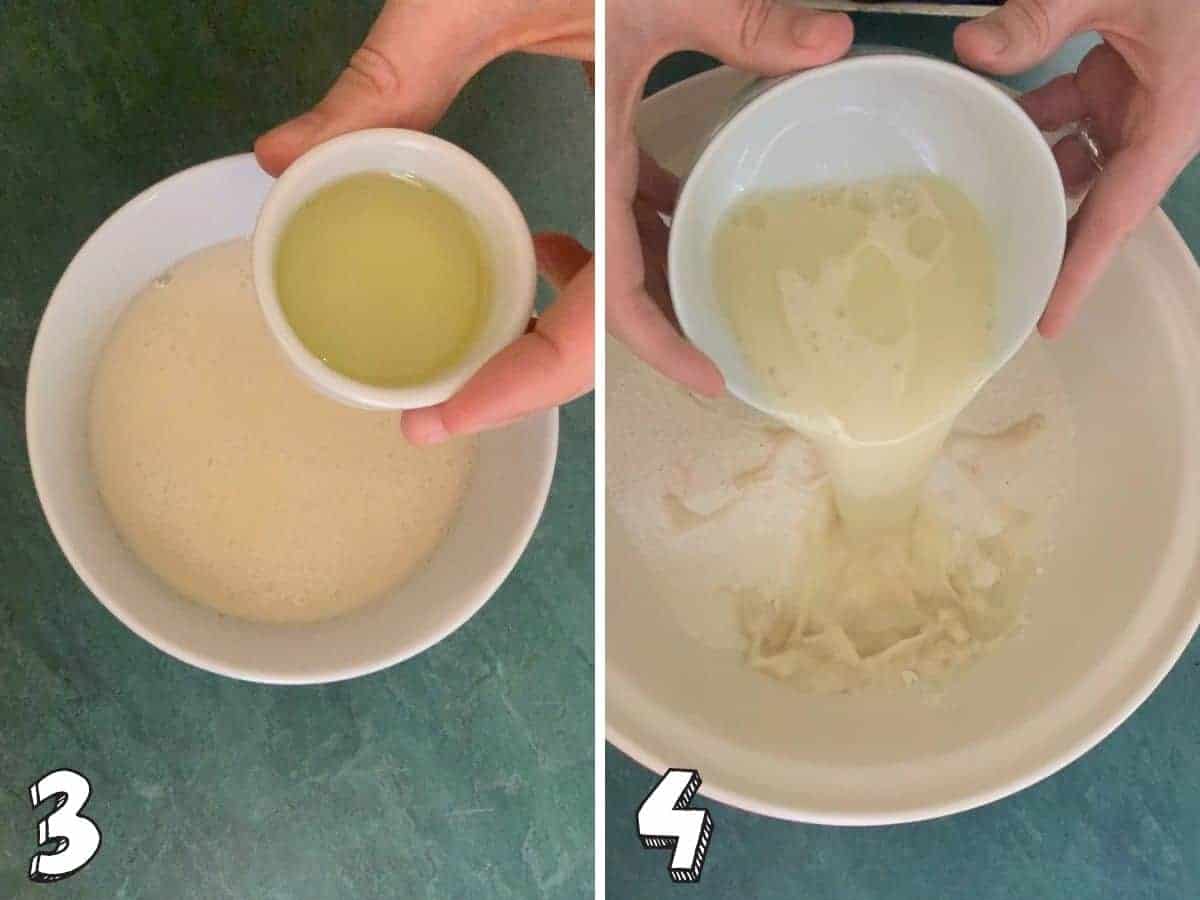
76 838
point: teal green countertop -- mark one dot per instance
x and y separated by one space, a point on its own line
1122 822
466 772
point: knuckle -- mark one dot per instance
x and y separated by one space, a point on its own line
375 70
1035 19
752 19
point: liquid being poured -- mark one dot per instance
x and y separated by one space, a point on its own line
867 312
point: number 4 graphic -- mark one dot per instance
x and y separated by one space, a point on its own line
665 822
76 838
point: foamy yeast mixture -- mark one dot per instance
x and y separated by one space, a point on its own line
237 483
866 311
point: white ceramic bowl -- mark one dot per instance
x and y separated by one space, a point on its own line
503 229
873 115
201 206
1118 602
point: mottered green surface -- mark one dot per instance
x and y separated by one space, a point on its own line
466 772
1122 822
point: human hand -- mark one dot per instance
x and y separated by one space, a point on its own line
414 61
1139 91
417 57
547 366
765 36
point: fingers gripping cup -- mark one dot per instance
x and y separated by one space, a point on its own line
859 248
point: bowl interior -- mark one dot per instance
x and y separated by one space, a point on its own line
868 117
1119 599
216 202
502 229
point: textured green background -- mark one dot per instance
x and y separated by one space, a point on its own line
464 773
1123 822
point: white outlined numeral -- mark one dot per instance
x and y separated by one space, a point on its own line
665 822
76 837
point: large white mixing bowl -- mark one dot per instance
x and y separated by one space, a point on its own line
198 207
1115 608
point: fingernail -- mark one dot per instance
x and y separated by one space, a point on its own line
424 427
994 37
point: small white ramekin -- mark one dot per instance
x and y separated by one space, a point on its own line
876 113
451 169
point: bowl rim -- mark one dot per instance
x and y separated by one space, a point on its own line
864 57
489 190
636 749
57 515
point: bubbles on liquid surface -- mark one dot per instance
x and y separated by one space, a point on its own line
878 310
834 196
901 200
864 200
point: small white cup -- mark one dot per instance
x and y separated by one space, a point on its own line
872 115
503 229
